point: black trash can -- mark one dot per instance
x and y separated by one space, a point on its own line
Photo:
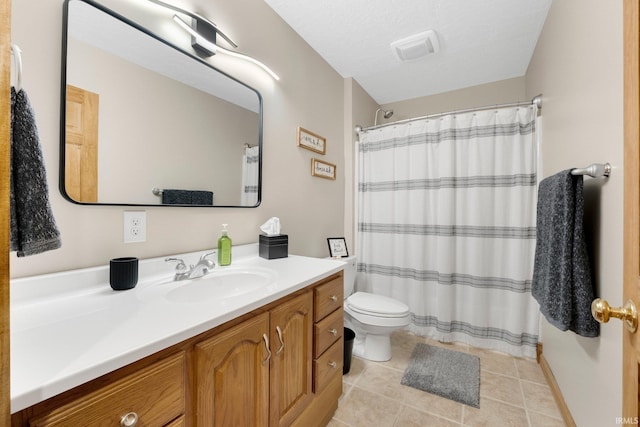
348 336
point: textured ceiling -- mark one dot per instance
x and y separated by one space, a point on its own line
481 41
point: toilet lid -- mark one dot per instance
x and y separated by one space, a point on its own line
377 305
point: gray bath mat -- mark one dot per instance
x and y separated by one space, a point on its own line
447 373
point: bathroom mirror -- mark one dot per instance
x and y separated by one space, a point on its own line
142 117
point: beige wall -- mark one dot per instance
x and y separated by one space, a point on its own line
359 110
577 65
309 94
501 92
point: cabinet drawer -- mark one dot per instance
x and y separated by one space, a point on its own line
327 298
327 331
327 366
155 394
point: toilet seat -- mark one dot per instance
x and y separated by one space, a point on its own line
373 318
376 305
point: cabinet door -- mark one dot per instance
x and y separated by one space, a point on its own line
232 376
291 364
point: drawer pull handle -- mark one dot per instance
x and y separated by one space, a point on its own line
333 332
129 420
266 346
333 298
334 365
279 331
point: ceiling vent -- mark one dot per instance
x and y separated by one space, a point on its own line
416 46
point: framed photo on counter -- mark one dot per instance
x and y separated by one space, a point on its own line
337 247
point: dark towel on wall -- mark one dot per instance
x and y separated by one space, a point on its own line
562 275
33 227
187 197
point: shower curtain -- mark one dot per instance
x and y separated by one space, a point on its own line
446 224
249 193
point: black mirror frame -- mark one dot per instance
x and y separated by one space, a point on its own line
63 102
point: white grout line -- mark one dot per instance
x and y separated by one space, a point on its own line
524 398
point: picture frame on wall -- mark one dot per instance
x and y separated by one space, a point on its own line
323 169
337 247
311 141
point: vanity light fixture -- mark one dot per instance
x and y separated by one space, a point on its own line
201 23
203 36
203 45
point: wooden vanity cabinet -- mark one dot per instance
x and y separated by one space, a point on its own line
279 365
257 373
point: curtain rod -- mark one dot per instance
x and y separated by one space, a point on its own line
537 101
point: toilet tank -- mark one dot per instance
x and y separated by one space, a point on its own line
349 274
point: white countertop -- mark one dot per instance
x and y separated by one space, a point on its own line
69 328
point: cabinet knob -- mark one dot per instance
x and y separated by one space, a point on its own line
333 298
333 332
129 420
334 365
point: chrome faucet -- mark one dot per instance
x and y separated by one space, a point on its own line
202 267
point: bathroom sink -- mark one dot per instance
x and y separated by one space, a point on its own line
222 283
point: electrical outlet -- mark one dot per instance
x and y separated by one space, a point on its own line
135 226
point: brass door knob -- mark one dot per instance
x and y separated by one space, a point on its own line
602 311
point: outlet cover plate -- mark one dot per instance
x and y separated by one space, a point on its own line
135 226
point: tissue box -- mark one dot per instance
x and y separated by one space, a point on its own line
272 247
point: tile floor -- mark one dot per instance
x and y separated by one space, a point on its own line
513 392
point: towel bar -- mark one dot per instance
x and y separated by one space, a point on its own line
595 170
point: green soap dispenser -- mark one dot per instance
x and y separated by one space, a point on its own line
224 247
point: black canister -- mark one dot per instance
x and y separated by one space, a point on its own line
123 273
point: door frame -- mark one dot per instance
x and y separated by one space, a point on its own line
631 288
5 124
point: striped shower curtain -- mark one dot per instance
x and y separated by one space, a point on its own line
250 162
446 224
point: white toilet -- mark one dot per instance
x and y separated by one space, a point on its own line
372 317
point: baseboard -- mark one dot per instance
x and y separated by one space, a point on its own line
557 394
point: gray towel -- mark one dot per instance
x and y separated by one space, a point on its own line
33 227
187 197
562 275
